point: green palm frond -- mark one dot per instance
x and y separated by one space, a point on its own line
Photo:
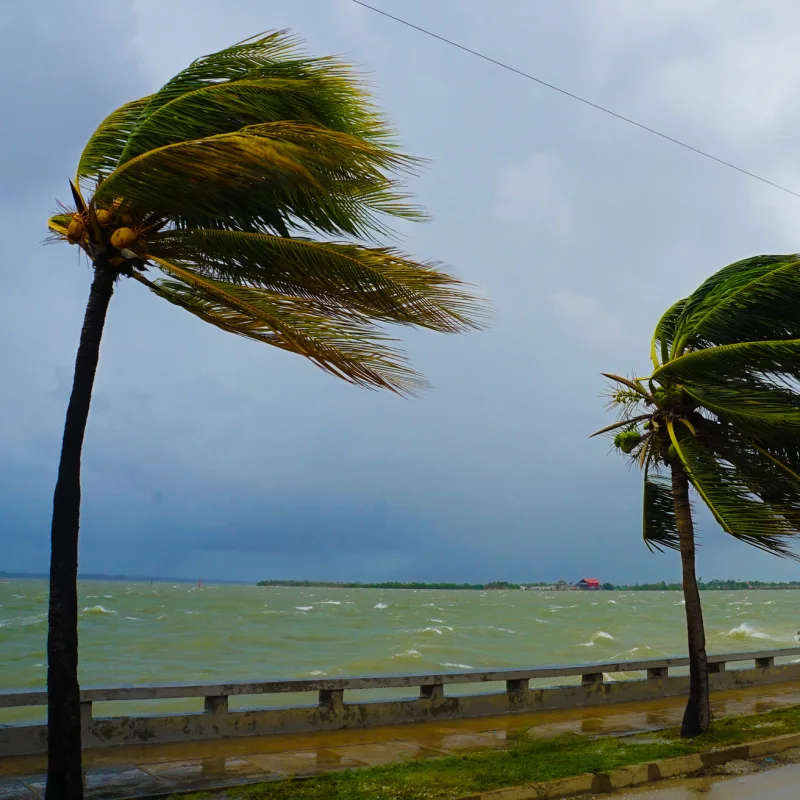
659 528
779 358
306 175
665 334
379 282
754 299
731 492
344 344
103 150
758 408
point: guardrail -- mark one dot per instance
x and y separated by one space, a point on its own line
332 712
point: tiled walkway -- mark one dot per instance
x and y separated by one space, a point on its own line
152 770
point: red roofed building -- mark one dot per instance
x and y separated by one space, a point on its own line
588 583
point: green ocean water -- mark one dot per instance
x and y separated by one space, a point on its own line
138 633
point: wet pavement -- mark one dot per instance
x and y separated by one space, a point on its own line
151 770
779 783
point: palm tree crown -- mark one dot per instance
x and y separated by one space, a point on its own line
723 402
219 179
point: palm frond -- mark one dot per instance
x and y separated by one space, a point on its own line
329 181
621 424
378 282
665 334
731 492
659 526
779 358
754 406
754 299
345 345
102 152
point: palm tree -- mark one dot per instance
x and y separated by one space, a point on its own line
720 413
233 181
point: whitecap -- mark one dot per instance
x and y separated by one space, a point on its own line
317 673
594 637
770 603
431 630
408 654
380 605
136 619
329 603
745 631
542 621
504 630
456 666
613 602
98 609
304 608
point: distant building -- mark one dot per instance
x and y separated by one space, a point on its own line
588 583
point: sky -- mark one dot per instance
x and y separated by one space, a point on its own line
210 456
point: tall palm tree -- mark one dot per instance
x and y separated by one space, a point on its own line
232 181
720 413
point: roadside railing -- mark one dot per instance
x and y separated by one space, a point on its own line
330 711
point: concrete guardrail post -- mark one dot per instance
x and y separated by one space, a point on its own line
658 673
331 702
765 662
716 667
433 692
591 678
216 704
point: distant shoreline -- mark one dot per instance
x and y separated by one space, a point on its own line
714 585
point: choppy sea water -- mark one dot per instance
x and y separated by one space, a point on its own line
134 633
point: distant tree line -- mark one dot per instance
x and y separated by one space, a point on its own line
726 585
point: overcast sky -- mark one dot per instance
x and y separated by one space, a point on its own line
210 456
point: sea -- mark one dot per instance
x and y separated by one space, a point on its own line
161 633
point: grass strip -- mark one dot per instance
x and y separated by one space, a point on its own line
526 760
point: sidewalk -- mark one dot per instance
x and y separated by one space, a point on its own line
150 770
778 783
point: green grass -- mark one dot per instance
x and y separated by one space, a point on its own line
527 760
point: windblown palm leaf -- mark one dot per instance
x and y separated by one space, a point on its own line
219 178
723 400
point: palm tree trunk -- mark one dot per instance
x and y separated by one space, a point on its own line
697 716
64 775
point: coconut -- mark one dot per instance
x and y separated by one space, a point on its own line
123 237
75 229
627 440
103 217
672 453
126 220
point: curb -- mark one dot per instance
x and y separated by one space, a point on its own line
638 774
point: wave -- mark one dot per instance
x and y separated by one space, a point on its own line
135 619
439 630
317 673
304 608
594 637
329 603
380 605
456 666
504 630
745 631
408 654
23 622
613 602
99 610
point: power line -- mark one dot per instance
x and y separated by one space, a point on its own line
574 96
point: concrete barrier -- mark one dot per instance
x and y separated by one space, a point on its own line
331 712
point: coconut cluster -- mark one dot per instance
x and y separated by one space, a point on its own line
118 229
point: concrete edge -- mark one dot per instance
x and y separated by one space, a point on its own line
638 774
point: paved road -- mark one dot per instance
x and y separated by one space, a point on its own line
778 783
